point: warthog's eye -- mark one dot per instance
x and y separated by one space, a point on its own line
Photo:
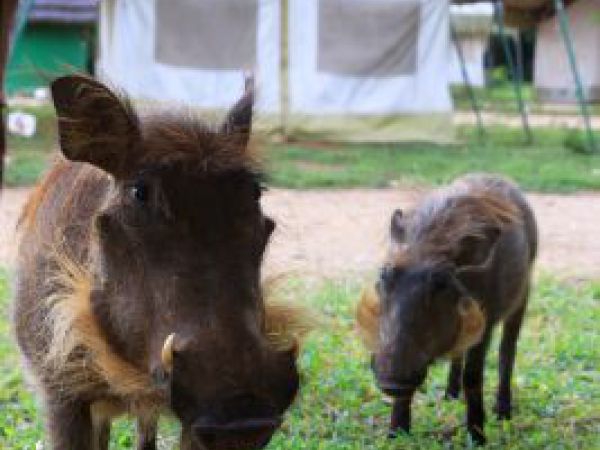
139 191
440 280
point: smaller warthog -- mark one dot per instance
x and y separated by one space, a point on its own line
459 263
139 279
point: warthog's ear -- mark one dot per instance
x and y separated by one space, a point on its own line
238 122
475 254
472 325
94 125
398 227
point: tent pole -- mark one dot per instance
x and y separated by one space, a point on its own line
284 72
467 80
566 35
519 58
499 15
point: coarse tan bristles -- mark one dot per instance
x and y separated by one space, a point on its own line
78 344
367 318
29 211
286 323
472 326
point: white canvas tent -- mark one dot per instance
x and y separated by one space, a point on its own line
553 79
370 70
190 51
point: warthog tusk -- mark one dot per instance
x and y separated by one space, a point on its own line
166 355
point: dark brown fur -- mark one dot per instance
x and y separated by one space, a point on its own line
458 264
151 226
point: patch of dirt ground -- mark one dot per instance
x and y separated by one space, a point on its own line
343 232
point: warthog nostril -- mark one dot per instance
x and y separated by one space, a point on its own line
396 390
252 433
206 425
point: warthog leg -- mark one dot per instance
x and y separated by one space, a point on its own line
455 378
508 348
146 431
473 387
101 434
185 442
400 420
70 426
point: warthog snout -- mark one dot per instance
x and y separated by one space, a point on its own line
242 422
390 382
395 390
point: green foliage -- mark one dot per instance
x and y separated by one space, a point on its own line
557 383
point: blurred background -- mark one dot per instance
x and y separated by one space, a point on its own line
363 106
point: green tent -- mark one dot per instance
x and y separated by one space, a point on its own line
58 37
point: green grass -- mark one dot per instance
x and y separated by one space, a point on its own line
555 162
557 383
29 157
548 166
500 97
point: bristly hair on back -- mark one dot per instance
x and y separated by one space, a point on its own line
209 149
182 138
437 227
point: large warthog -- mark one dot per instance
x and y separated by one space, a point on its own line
139 279
459 264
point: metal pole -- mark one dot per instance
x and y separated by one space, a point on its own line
519 56
566 35
20 22
499 15
467 80
284 70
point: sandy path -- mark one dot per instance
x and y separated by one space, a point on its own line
338 232
535 120
11 202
